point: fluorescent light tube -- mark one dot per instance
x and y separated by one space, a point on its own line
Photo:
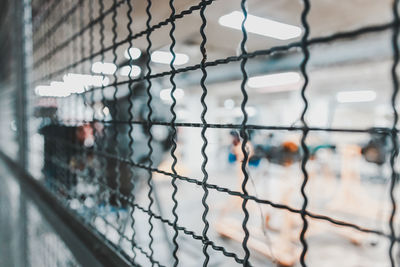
73 83
276 79
229 103
133 71
55 89
356 96
78 83
133 52
104 68
164 57
165 94
260 26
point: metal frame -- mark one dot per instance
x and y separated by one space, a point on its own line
88 247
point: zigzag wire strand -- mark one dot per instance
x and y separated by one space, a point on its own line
203 132
115 145
130 133
174 133
149 118
394 136
244 135
304 147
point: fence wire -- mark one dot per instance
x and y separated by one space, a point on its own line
70 37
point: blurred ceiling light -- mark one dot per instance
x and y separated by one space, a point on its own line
261 26
104 67
98 80
356 96
79 83
229 103
165 94
106 111
251 111
127 70
60 89
40 89
164 57
13 125
72 84
55 89
182 113
133 52
277 79
75 82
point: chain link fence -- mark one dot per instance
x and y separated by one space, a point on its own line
96 129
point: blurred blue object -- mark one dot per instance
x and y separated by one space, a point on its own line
231 158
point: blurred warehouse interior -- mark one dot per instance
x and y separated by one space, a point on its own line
98 91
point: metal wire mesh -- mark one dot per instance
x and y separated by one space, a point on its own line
27 244
100 150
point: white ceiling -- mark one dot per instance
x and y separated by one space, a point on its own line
347 60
